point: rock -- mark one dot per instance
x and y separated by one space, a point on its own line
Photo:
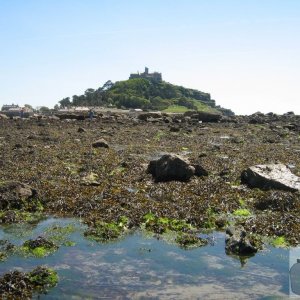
15 195
149 115
237 242
257 119
100 144
80 129
174 129
53 118
40 241
203 116
171 167
4 117
273 176
200 171
90 180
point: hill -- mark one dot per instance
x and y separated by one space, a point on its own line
146 94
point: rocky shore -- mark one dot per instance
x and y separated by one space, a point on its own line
111 169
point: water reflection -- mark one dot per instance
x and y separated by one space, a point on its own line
140 267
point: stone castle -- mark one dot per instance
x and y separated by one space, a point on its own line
151 76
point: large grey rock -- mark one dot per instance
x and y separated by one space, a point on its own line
238 243
273 176
171 167
15 195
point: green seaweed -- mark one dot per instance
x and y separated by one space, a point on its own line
40 247
280 242
43 278
163 224
242 212
210 222
103 232
69 244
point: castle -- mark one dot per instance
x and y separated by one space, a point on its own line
151 76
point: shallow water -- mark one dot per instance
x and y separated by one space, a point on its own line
142 267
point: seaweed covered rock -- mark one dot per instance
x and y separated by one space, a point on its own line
20 285
237 242
43 278
40 242
39 247
17 195
171 167
273 176
104 232
190 240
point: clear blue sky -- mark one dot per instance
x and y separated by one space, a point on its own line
245 53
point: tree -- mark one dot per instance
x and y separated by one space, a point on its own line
28 106
65 102
89 92
44 109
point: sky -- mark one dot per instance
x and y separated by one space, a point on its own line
245 53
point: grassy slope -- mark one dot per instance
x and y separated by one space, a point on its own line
181 109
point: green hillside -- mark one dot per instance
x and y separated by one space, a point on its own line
145 94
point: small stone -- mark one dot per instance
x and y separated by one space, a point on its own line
100 144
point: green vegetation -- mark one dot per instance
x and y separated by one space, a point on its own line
145 94
173 230
103 232
211 219
19 285
163 224
279 241
176 109
39 247
242 212
42 278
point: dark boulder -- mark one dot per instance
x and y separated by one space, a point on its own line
171 167
237 242
273 176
